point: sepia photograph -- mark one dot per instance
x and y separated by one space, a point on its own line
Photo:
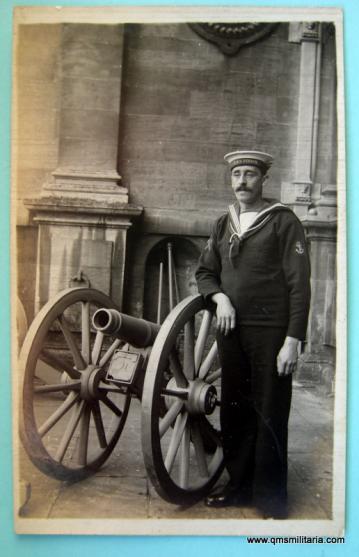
178 271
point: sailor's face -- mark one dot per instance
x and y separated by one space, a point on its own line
247 182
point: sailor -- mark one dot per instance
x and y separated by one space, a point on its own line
255 270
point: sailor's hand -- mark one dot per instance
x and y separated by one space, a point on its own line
225 313
288 356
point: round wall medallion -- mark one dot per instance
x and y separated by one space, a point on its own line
230 37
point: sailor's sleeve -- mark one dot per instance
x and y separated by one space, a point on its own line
209 267
296 268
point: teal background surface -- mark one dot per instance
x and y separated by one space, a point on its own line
14 545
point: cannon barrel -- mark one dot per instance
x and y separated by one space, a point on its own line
138 332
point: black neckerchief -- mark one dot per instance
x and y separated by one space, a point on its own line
237 237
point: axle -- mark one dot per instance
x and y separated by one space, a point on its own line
137 332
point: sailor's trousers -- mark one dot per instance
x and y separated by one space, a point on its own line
255 406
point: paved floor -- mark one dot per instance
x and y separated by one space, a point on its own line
121 488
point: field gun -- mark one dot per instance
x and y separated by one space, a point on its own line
83 361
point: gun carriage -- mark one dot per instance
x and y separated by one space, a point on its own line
82 363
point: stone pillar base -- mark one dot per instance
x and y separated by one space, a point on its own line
317 364
76 183
317 369
80 240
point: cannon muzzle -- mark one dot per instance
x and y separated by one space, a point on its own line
138 332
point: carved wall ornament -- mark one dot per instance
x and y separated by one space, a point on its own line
230 37
311 31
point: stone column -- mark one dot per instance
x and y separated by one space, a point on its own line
317 363
298 193
315 204
91 76
83 214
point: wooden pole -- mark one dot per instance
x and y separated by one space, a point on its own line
160 288
175 283
170 275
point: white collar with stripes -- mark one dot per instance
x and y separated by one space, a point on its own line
258 221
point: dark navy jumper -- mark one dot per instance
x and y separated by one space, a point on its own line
266 274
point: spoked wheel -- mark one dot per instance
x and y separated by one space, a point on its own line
71 416
180 412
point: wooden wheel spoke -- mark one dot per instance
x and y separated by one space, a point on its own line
184 458
175 442
170 417
96 351
71 343
105 388
59 387
176 369
208 361
111 405
58 414
85 337
49 358
199 450
84 436
212 377
69 431
188 350
108 354
202 337
100 430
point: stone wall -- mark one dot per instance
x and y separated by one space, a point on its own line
185 104
181 105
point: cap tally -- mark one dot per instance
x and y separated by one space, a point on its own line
251 158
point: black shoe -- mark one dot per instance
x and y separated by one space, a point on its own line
276 514
278 511
228 498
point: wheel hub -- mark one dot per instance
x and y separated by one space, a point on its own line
199 396
202 398
90 379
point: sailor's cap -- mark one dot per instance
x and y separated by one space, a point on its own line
250 158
